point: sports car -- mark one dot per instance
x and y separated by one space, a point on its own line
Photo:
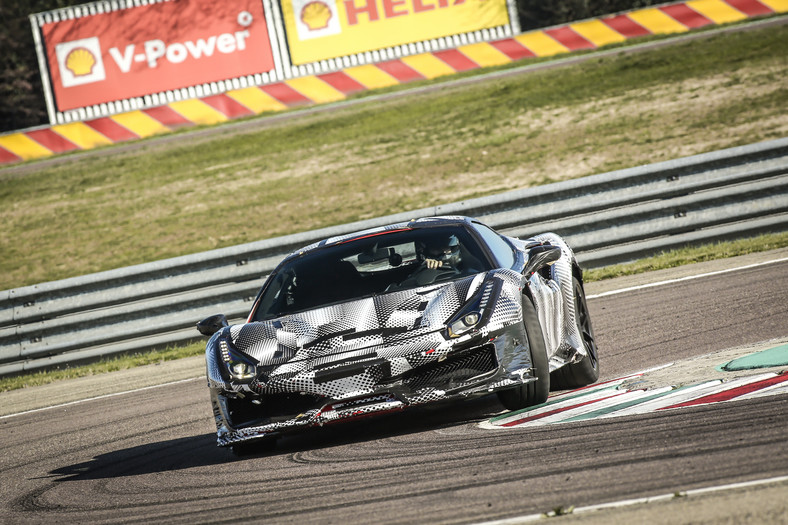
433 309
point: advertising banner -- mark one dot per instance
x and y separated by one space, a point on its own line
322 29
154 48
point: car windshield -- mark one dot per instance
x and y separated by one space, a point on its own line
378 263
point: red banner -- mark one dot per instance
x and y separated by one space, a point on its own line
154 48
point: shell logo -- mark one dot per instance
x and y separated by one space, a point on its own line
316 15
315 18
80 62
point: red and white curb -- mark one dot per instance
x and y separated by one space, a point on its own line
609 399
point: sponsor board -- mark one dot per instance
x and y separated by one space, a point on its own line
276 95
153 48
323 29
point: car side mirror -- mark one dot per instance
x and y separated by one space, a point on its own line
212 324
541 256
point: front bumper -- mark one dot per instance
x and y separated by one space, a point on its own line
477 365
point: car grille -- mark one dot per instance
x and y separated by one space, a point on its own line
275 407
455 372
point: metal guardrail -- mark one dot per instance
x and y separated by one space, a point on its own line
608 218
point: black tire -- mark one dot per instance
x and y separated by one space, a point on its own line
535 392
250 448
585 371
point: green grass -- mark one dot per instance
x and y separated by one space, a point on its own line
102 366
99 212
666 260
690 255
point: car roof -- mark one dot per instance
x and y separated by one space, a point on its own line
423 222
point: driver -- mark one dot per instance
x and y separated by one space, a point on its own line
442 252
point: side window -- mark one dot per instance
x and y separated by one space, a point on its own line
501 249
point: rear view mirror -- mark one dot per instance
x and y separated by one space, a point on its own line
540 256
213 324
375 255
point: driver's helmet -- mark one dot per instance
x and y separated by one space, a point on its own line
443 248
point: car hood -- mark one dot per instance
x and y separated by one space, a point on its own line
384 325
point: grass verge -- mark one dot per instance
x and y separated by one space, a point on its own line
690 255
198 193
113 364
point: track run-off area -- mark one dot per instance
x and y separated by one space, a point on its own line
120 449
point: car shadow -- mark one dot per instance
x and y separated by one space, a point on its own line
436 416
201 450
161 456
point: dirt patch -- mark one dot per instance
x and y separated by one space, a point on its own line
703 368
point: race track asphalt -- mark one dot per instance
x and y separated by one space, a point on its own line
149 454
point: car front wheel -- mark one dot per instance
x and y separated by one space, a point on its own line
585 371
535 392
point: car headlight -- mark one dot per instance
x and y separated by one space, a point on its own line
240 367
475 312
464 324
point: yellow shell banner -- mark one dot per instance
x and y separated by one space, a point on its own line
322 29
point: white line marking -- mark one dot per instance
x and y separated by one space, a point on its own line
780 388
680 279
79 401
637 501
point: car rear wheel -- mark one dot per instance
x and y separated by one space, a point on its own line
585 371
535 392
